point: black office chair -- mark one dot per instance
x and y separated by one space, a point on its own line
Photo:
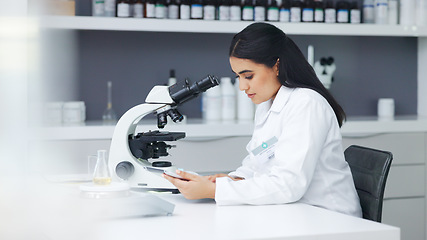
370 169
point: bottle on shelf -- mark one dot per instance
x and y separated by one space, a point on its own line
185 9
196 9
368 11
343 10
330 12
228 95
98 8
150 9
308 11
393 10
295 11
285 11
259 10
123 8
224 10
273 11
381 12
173 9
407 12
236 10
161 9
172 78
245 106
110 8
138 9
109 115
248 11
319 11
209 9
355 14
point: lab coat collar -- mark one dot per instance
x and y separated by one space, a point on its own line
265 108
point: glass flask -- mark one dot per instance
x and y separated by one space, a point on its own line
101 175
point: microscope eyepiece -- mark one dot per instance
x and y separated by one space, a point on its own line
182 92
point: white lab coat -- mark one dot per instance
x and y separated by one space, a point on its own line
306 164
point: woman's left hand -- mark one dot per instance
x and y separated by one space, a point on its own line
193 186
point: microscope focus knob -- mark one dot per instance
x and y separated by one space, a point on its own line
124 170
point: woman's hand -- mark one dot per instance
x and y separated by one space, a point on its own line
194 186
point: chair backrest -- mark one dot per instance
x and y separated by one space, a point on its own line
370 169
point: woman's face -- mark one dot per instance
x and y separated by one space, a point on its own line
258 81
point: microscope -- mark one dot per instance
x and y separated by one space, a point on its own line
130 151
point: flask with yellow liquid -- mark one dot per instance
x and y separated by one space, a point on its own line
101 175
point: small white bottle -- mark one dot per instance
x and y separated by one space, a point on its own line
110 8
211 105
393 9
407 12
98 8
381 12
421 18
228 96
368 11
245 106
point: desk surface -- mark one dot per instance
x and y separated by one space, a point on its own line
203 219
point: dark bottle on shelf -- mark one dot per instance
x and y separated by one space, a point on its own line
296 11
236 10
355 13
343 10
196 9
273 11
308 11
150 9
319 11
123 8
330 12
161 9
224 10
209 9
185 9
173 9
248 10
138 9
285 11
259 10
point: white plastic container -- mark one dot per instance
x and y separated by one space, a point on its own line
393 12
53 112
421 18
74 112
407 12
228 96
98 8
368 11
211 105
385 108
245 106
381 12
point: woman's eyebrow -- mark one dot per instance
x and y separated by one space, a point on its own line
244 71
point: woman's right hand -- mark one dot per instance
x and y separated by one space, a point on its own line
213 178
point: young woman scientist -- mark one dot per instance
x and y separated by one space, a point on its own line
295 154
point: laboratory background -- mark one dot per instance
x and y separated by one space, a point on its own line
71 69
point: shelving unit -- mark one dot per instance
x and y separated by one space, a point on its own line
202 26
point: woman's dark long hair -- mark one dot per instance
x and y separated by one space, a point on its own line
264 43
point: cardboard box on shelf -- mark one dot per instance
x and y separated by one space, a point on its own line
52 7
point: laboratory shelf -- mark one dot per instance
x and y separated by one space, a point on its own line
198 129
203 26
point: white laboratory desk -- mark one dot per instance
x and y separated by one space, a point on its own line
203 219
